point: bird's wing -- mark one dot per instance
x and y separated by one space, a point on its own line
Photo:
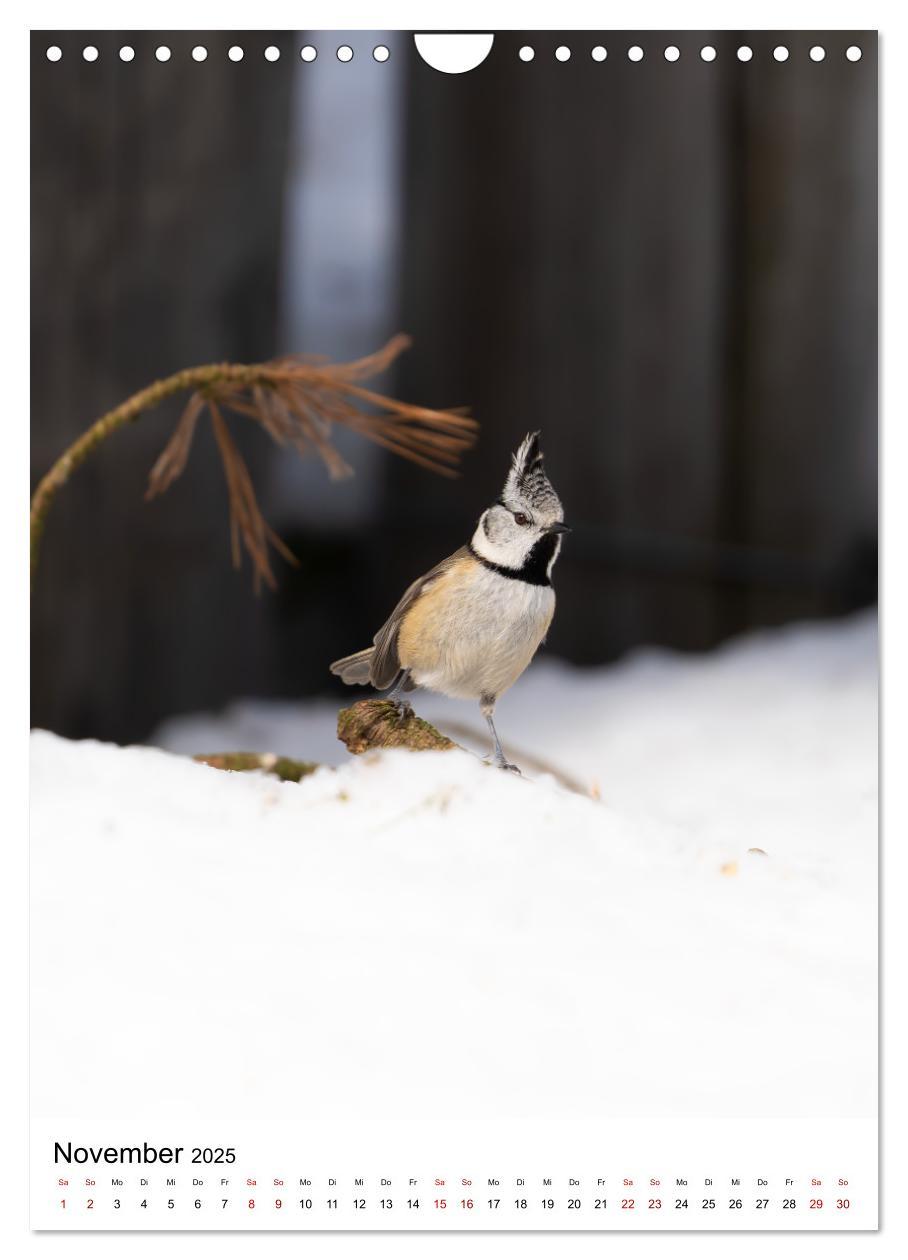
385 662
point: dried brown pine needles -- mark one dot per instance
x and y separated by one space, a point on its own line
296 400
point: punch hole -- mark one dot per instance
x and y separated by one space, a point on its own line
453 54
272 53
345 53
162 53
817 53
672 53
780 53
308 53
235 53
707 53
635 53
127 53
745 53
90 53
599 53
199 53
562 53
853 53
381 53
527 53
54 53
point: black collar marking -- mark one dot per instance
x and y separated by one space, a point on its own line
534 570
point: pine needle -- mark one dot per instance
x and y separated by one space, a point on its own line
297 401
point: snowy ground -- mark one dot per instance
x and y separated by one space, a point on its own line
416 938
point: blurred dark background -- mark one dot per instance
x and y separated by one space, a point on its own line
669 268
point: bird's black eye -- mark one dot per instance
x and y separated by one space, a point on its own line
521 519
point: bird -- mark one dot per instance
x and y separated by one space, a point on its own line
470 626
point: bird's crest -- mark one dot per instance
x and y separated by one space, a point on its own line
527 481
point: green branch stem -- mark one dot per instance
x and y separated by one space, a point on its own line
127 412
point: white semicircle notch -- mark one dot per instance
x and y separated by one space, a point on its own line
453 54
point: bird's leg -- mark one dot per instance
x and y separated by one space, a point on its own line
487 706
404 707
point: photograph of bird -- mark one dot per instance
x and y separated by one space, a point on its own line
470 626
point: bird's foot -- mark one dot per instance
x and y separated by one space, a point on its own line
501 764
403 708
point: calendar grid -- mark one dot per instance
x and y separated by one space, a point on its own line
245 1187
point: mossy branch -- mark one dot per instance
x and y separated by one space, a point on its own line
372 724
366 725
284 768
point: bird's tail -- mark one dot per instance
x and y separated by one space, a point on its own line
356 668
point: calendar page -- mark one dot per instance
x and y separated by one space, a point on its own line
455 666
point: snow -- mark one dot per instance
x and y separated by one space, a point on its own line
420 941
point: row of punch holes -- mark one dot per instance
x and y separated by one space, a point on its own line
234 53
381 53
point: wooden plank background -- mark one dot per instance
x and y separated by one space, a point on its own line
670 269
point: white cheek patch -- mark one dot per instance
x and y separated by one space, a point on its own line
508 552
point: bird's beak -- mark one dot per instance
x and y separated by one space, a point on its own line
560 528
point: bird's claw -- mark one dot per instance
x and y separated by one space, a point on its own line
501 764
